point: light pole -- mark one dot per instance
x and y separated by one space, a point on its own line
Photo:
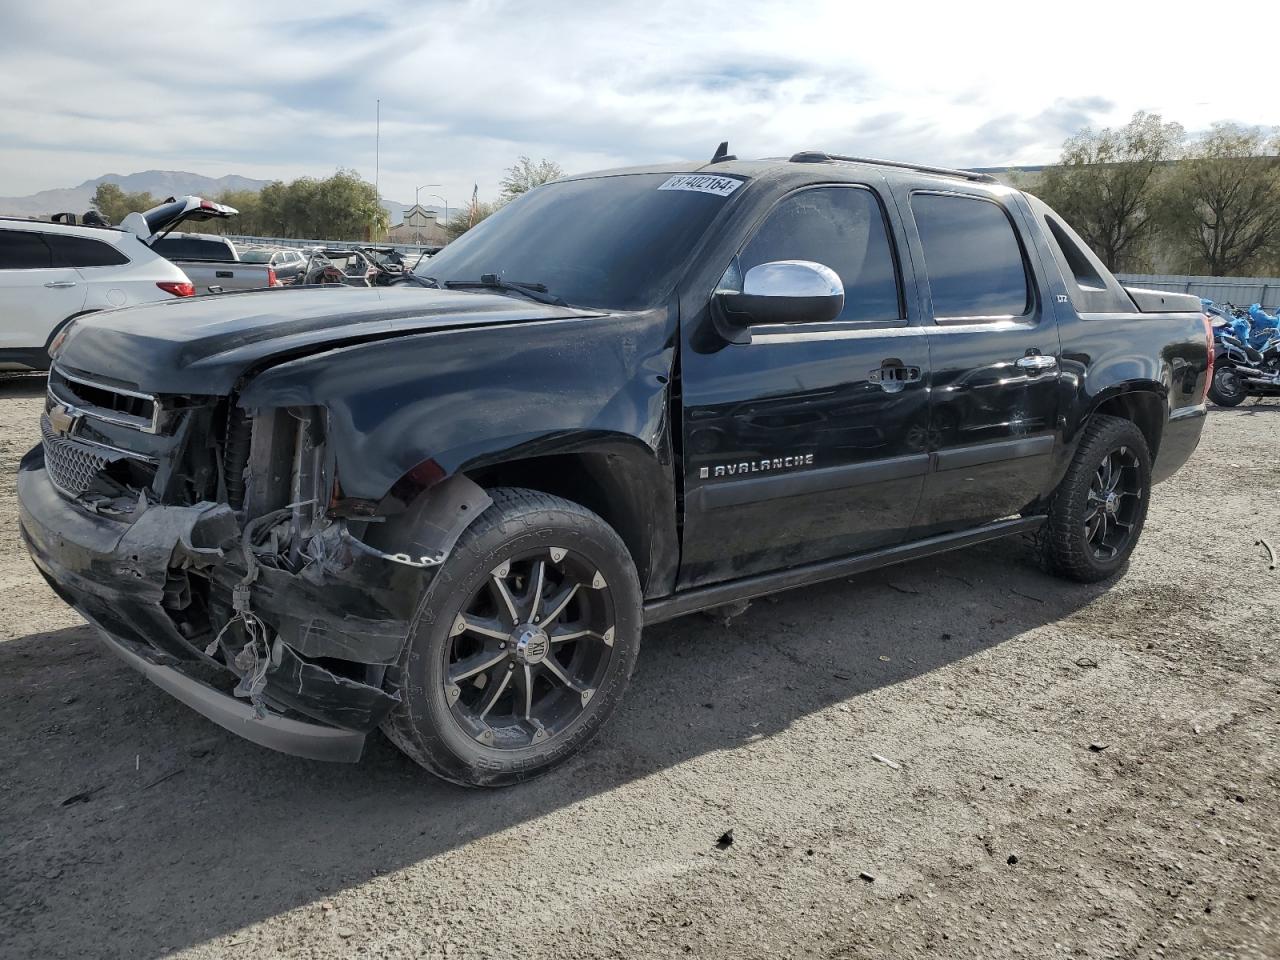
446 209
377 171
416 191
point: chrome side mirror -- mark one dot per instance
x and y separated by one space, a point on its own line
783 291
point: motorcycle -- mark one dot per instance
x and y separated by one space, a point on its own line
1241 369
1235 320
1264 325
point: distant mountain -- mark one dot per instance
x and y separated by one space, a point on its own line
395 211
159 183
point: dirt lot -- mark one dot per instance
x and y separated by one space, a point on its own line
1078 771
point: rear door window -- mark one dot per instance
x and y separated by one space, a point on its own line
24 250
191 249
842 228
972 257
70 251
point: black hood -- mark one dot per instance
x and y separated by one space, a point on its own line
203 345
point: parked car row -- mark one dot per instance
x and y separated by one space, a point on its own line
287 264
53 272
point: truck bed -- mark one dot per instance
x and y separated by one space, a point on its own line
221 276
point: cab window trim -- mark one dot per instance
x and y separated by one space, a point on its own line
776 331
1029 317
1075 265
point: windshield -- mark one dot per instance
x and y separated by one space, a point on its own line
256 256
616 242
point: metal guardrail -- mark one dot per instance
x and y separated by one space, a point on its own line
1241 291
406 248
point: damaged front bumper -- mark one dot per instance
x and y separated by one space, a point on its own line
302 739
177 596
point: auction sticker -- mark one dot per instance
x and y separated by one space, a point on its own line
702 183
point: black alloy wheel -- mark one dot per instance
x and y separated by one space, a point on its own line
1115 499
1096 515
529 649
523 644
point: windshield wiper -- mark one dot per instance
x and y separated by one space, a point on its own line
422 281
491 281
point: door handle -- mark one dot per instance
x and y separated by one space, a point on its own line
1036 362
60 284
894 373
893 377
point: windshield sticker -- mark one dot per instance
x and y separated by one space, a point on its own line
702 183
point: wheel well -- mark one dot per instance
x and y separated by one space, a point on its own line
598 482
1144 408
62 323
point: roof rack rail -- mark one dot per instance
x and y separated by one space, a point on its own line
6 218
818 156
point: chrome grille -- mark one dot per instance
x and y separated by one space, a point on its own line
112 404
72 466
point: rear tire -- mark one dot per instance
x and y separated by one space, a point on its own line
522 646
1227 389
1097 513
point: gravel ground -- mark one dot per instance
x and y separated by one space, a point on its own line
1074 771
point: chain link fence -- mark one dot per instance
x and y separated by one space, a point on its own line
1241 291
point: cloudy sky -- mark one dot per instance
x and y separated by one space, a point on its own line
289 88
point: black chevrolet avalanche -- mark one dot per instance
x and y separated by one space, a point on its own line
448 507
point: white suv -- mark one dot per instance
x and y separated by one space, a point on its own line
52 272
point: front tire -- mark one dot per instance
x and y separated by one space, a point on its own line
522 646
1227 388
1097 513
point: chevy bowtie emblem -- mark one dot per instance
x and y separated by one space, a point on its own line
61 419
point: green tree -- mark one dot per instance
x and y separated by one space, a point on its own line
468 218
248 221
525 175
114 204
520 178
299 208
340 207
1222 203
271 210
343 207
1106 184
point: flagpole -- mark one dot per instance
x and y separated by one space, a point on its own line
377 168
